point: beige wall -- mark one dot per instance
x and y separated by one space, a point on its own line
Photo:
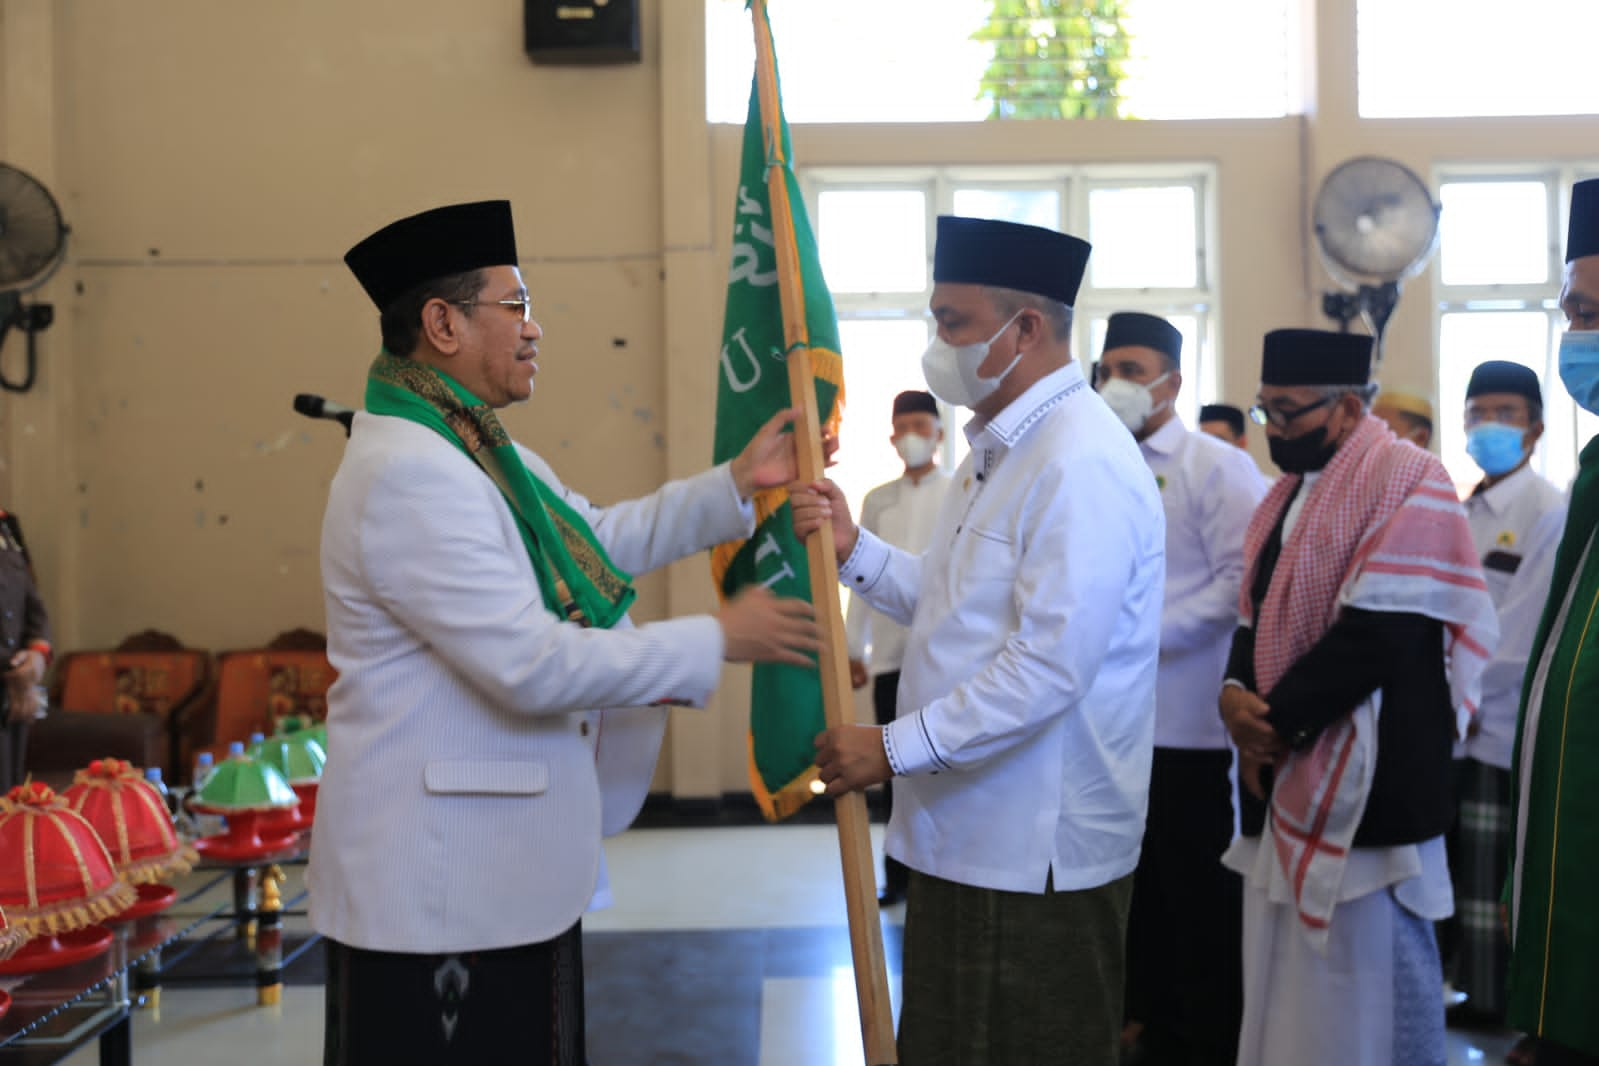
215 160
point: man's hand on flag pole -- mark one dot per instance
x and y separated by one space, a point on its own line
768 461
758 627
851 758
823 501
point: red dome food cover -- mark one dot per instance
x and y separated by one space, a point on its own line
132 821
55 875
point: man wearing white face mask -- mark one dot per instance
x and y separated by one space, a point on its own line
1515 517
1554 875
902 513
1184 978
1027 699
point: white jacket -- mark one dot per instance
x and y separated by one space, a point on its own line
461 807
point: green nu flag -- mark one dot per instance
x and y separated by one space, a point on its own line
785 701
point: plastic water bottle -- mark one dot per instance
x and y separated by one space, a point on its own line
200 824
204 766
256 740
152 774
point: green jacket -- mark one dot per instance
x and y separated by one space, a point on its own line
1554 877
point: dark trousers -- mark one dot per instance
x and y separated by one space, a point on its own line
885 702
13 754
521 1005
1557 1055
1185 931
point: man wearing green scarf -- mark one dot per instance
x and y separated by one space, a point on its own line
1553 887
477 615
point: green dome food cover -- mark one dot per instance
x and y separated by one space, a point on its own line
242 783
304 729
295 755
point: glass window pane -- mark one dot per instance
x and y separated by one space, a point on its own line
1172 72
1468 69
920 61
882 358
1465 339
1031 207
1143 238
873 240
1494 233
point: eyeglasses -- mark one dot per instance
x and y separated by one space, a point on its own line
523 304
1280 417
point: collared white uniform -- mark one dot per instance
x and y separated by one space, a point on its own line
1516 525
469 781
901 512
1209 490
1027 700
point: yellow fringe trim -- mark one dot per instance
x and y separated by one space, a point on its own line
159 868
10 940
73 914
828 366
776 806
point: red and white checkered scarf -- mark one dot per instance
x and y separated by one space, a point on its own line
1380 530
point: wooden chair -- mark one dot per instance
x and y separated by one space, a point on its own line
149 673
257 689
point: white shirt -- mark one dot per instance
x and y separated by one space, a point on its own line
1516 525
902 513
1027 698
1209 490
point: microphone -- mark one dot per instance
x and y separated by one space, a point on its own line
313 406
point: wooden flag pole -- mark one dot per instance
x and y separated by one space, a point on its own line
854 835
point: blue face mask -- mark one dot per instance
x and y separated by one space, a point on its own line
1496 447
1579 367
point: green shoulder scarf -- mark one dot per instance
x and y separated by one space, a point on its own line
578 580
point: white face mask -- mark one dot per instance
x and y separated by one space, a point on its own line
1131 402
952 372
915 449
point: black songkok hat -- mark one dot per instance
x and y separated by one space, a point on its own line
1582 231
435 244
1008 255
1498 375
1127 328
908 403
1224 412
1315 357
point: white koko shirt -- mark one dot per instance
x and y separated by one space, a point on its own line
1027 698
1210 490
1516 526
902 512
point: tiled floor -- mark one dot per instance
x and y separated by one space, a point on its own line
726 946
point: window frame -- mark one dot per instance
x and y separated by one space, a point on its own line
1562 418
1074 182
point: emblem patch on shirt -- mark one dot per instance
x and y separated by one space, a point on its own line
1506 539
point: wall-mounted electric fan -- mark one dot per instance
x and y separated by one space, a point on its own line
1376 225
33 241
